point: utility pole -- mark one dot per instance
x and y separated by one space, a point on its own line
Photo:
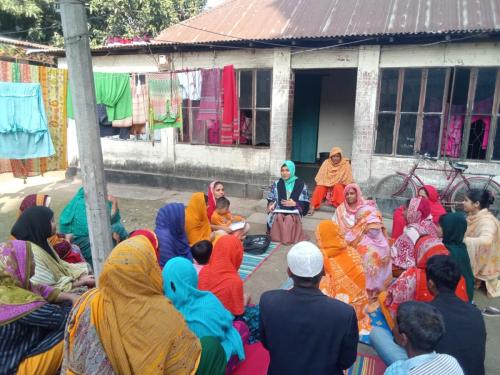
81 81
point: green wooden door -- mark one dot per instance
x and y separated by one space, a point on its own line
306 117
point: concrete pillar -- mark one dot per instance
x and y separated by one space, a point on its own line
280 109
365 113
168 140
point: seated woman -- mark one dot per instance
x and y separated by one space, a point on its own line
289 193
31 324
344 276
412 283
215 191
197 225
171 234
36 224
453 227
368 236
202 311
420 223
74 220
483 240
428 192
333 175
153 339
345 214
220 276
60 243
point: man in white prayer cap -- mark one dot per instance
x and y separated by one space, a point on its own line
305 331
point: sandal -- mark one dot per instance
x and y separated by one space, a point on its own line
491 311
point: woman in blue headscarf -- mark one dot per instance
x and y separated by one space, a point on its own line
171 233
203 312
289 193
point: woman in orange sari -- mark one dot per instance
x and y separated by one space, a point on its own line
333 175
344 276
412 283
126 325
197 224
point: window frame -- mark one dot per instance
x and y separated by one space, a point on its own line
254 109
444 114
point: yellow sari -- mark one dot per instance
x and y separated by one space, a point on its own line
344 276
138 329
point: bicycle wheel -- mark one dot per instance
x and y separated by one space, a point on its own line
390 193
460 191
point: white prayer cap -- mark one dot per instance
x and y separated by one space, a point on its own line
305 259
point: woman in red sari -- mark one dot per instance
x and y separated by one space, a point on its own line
428 192
419 219
412 283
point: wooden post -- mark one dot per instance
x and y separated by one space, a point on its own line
81 81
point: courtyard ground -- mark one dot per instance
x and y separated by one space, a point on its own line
139 205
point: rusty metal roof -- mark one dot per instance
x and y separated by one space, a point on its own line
22 43
306 19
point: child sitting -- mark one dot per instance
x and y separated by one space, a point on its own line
222 217
201 252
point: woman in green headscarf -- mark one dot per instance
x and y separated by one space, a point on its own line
289 193
453 226
73 220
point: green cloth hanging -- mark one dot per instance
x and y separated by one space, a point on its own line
114 91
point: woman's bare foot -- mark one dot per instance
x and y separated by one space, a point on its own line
311 211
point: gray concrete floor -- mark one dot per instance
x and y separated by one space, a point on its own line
140 204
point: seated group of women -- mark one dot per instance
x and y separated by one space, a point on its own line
140 319
472 241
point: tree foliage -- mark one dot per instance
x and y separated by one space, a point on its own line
39 21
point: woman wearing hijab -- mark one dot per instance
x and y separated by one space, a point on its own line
345 214
333 175
344 276
197 225
419 219
220 276
31 325
453 227
151 237
428 192
203 312
369 238
60 243
170 223
153 337
36 224
74 220
412 283
289 193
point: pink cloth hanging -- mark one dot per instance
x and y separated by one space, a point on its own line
230 126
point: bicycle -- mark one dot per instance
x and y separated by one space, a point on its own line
394 190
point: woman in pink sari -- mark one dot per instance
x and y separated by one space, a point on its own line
369 237
345 214
419 223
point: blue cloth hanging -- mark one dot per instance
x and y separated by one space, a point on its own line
24 132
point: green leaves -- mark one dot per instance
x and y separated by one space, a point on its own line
122 18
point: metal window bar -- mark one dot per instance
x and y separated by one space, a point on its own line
495 110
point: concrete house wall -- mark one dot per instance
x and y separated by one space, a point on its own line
250 169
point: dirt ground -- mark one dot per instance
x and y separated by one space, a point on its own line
139 205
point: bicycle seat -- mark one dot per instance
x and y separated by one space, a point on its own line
458 166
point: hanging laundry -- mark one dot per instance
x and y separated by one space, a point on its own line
190 83
209 112
139 104
165 100
113 90
230 131
23 124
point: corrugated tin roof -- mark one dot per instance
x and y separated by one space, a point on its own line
22 43
304 19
